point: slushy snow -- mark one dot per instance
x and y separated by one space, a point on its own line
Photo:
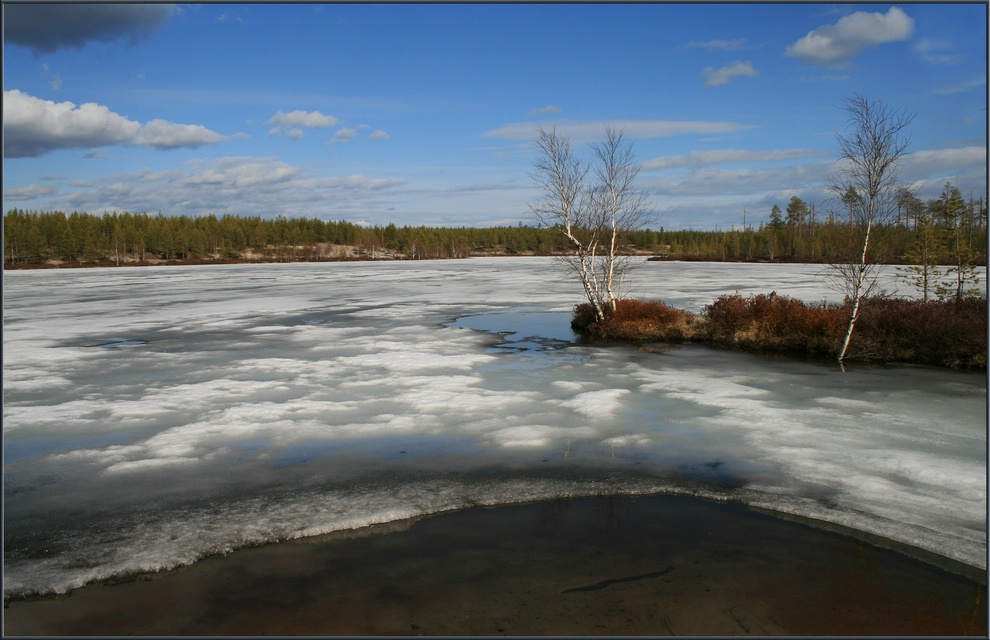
155 416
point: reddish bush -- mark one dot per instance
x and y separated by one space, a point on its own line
637 320
944 333
768 322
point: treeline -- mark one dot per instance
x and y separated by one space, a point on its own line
33 237
942 231
939 231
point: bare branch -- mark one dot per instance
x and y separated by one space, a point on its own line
867 186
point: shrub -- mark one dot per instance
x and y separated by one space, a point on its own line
768 322
637 320
950 333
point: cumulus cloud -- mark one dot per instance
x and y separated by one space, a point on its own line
344 135
300 118
582 131
291 124
45 27
379 135
168 135
835 45
545 111
294 133
715 77
33 127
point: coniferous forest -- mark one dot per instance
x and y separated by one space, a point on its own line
945 231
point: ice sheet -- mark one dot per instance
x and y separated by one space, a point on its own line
154 416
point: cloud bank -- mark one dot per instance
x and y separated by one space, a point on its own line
238 185
45 27
726 156
33 127
836 45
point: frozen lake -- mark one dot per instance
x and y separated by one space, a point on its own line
153 416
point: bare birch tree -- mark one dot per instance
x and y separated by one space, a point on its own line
618 204
867 184
593 217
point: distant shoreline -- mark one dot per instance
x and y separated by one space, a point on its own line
109 264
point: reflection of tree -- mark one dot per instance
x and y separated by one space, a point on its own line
553 511
609 512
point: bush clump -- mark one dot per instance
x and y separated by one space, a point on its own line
772 323
948 333
637 321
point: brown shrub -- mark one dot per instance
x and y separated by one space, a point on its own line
637 320
768 322
584 317
951 333
943 333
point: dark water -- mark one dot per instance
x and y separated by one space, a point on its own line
660 565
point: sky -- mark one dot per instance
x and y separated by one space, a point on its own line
419 114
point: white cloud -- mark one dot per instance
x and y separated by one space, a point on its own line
344 135
964 87
29 192
168 135
239 185
379 135
55 79
582 131
545 111
289 124
725 156
300 118
937 52
835 45
294 133
33 127
734 183
228 15
938 161
715 77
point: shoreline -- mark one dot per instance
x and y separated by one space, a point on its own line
394 257
626 565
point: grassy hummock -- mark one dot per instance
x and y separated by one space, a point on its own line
947 333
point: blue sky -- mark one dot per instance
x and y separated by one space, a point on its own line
425 114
